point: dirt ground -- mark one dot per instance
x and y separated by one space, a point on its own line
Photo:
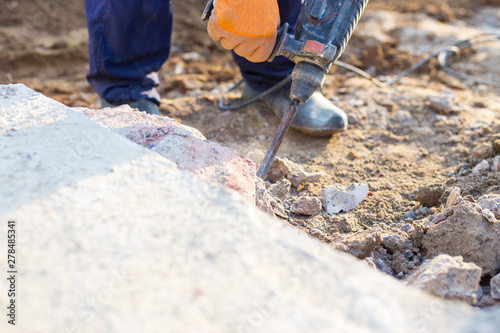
399 138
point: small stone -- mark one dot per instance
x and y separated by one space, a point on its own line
348 223
280 189
424 210
430 195
496 164
442 103
411 215
482 151
338 198
454 198
490 202
408 228
360 244
495 286
496 145
481 168
448 277
316 232
306 206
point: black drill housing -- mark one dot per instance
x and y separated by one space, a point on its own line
323 30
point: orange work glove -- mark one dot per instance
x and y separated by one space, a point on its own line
249 27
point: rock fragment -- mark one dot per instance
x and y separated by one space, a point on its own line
448 277
495 287
284 168
338 198
482 151
481 168
454 197
185 146
462 230
496 145
429 195
278 208
360 244
496 164
442 103
306 206
280 189
490 202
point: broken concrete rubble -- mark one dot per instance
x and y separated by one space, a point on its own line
284 168
306 206
360 244
280 189
120 229
429 195
448 277
339 198
466 230
185 146
495 286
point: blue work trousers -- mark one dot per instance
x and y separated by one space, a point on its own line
129 41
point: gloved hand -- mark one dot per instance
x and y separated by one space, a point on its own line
249 27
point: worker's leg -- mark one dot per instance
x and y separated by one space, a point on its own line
261 76
129 40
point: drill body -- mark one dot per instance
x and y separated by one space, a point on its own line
323 30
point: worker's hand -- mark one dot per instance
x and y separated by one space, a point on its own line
249 27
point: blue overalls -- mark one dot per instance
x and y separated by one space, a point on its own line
129 40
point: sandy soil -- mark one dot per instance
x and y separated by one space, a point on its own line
398 140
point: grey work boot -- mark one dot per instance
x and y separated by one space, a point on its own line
317 117
145 105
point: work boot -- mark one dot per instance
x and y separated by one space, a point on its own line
145 105
316 117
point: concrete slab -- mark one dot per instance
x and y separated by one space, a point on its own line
121 240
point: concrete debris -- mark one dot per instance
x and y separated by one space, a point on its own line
280 189
482 151
496 145
383 260
495 287
348 223
490 202
404 262
278 208
448 277
306 206
339 198
496 164
454 197
396 240
360 244
482 168
191 56
262 199
429 195
284 168
442 103
463 230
